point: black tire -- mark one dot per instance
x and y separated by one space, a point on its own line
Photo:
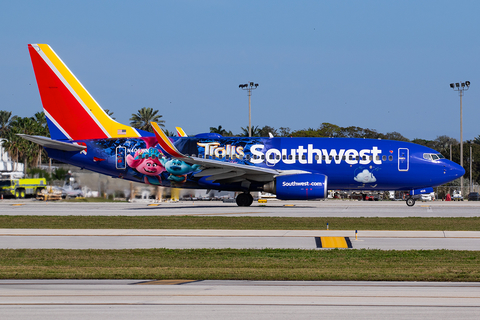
244 200
410 202
17 193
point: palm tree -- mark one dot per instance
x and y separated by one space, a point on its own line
21 149
5 121
221 131
109 113
255 131
141 120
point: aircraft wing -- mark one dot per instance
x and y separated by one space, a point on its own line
220 171
228 172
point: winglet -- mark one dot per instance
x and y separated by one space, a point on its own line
165 142
180 132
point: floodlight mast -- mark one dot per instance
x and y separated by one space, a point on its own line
460 87
249 87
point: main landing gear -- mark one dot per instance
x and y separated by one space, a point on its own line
244 199
410 202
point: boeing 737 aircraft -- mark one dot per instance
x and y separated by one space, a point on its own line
83 135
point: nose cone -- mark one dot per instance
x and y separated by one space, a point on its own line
453 170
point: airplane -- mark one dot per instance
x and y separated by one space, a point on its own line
83 135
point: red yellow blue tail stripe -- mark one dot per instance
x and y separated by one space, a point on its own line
69 107
180 132
165 142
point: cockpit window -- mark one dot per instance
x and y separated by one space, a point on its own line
433 156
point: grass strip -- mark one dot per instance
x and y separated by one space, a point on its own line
220 264
238 223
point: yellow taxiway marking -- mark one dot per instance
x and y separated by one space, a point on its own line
17 204
334 242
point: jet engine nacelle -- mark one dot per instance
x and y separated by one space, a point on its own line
304 186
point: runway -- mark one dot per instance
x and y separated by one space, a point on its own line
328 208
131 299
236 239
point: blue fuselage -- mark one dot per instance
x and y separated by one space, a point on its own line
349 164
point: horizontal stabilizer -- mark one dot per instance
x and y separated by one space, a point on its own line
53 144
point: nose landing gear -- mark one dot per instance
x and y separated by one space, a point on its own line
410 202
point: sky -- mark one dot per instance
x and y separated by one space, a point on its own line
383 65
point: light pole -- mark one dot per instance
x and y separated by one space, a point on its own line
249 87
460 87
470 142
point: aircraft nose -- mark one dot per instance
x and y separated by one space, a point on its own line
454 170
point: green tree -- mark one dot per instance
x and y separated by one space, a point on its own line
395 136
109 113
285 132
255 131
221 131
23 150
141 120
5 121
264 132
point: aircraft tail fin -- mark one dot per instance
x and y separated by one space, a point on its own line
71 112
180 132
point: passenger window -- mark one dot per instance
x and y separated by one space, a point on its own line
384 158
390 158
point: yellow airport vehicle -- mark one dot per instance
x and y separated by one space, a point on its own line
20 188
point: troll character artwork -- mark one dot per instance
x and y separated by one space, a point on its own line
148 162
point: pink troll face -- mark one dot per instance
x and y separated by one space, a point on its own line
146 161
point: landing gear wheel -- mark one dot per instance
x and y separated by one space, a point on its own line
244 199
410 202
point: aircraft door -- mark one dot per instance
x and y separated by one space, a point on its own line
403 159
120 161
